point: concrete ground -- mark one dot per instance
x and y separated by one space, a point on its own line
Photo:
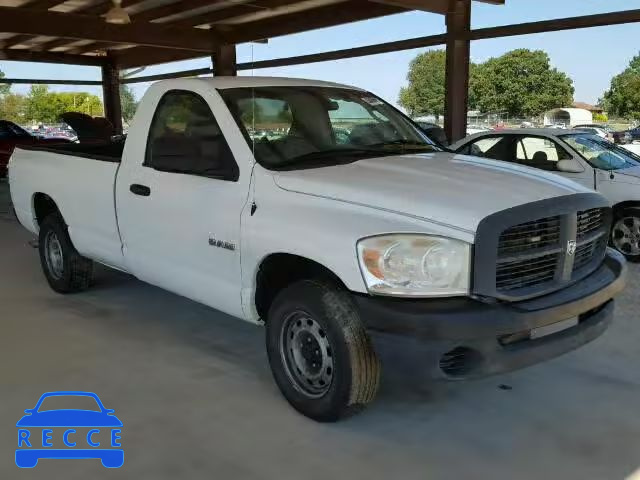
194 391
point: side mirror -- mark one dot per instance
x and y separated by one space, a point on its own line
570 166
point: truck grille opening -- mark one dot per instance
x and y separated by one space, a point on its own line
584 253
590 221
530 236
526 273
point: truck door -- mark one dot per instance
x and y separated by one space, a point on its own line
179 200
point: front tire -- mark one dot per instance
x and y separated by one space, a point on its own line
625 233
320 354
65 269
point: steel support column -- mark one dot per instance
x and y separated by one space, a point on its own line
111 94
224 61
458 19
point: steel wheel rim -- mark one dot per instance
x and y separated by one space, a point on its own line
306 354
53 255
625 235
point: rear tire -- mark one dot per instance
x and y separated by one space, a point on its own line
64 268
625 233
320 354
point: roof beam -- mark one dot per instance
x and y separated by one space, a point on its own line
15 40
320 17
33 81
104 6
279 25
431 6
83 27
98 9
92 47
41 4
144 56
47 57
231 12
396 46
570 23
174 8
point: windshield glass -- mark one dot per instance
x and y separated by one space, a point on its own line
302 126
600 153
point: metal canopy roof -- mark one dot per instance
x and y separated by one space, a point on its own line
74 31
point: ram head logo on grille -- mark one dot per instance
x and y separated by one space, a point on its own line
571 247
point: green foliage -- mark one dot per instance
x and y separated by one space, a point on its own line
12 107
520 83
623 97
41 105
4 88
600 117
425 93
128 103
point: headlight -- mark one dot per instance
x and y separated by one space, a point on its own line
415 265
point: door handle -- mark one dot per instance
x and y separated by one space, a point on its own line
141 190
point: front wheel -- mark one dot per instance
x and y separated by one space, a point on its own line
625 233
320 354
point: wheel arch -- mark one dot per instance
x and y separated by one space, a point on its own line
278 270
43 206
619 207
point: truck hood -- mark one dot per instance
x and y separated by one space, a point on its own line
455 190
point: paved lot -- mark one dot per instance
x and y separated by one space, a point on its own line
194 392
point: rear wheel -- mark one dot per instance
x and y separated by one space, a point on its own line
625 233
320 354
64 268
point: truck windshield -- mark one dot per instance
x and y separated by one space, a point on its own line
601 153
305 126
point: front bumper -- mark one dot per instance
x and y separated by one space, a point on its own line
476 337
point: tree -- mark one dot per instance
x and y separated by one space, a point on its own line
12 107
42 105
623 96
4 87
128 103
425 93
520 83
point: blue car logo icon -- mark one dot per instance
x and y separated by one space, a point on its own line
79 432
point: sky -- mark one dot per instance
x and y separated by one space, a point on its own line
589 56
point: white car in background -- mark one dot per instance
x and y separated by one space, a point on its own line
583 157
594 130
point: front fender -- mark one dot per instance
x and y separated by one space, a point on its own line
319 229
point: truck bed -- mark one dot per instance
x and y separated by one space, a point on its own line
106 152
80 180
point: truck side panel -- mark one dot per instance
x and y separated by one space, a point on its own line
83 190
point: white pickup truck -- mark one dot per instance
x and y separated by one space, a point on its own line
324 213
